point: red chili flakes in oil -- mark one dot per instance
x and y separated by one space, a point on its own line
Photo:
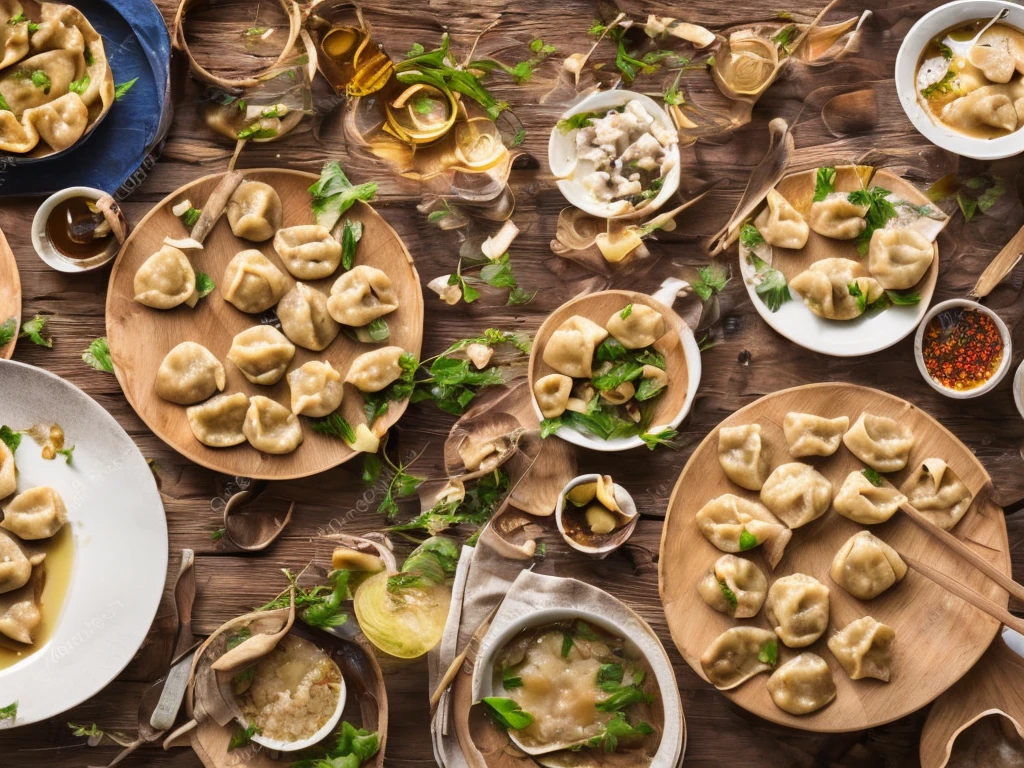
962 348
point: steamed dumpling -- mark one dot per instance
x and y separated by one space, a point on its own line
189 374
880 442
825 288
361 295
218 422
797 494
15 563
743 458
996 56
552 394
60 123
863 502
899 257
308 251
37 513
737 655
270 427
570 350
938 493
305 319
780 224
734 524
21 610
797 607
165 280
864 649
8 478
837 217
252 283
810 435
865 566
802 685
20 90
982 110
262 354
373 371
641 327
316 389
734 586
13 37
254 211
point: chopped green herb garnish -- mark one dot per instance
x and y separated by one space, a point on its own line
80 86
750 236
771 287
4 106
729 595
41 80
8 329
66 453
507 713
11 438
769 653
880 210
859 295
351 234
82 731
318 607
747 540
510 682
674 95
10 712
873 477
191 216
34 329
335 425
948 84
710 280
785 37
626 312
609 676
121 90
664 437
204 284
566 644
824 183
616 729
334 194
243 737
98 355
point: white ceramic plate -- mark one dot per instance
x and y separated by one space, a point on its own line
120 544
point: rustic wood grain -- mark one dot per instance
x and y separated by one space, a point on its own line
750 360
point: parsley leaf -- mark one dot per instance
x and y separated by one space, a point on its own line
626 695
750 236
98 355
710 280
654 439
772 287
873 477
243 737
7 330
11 438
34 329
41 80
122 90
204 284
747 540
334 194
880 210
507 714
824 183
80 86
615 729
674 95
4 106
785 37
66 453
859 295
769 653
10 712
948 84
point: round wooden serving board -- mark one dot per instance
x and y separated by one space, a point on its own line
939 637
10 294
141 336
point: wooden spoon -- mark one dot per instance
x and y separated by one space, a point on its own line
1004 262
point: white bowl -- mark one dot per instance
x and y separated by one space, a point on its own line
1004 364
622 498
562 156
916 40
45 249
294 746
1018 383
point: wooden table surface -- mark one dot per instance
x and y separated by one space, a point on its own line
750 361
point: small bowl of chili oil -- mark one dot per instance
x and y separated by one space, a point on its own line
962 348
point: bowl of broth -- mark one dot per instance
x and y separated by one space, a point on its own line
71 234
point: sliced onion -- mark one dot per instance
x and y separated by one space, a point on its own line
498 244
405 624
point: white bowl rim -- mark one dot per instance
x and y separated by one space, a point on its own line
326 730
1004 364
1018 382
914 42
620 493
571 189
47 253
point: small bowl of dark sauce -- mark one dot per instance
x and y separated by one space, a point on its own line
78 229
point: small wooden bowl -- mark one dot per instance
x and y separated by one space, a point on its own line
10 295
682 358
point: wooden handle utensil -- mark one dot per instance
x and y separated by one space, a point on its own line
1001 266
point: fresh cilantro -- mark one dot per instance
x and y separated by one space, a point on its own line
507 714
334 194
191 216
493 337
11 438
66 453
824 183
122 90
577 121
41 80
34 329
664 437
243 737
750 236
376 404
10 712
518 296
481 501
469 293
255 31
372 468
436 68
948 84
80 86
335 425
349 747
747 540
729 595
435 216
97 355
377 330
904 298
401 485
944 50
319 607
538 46
82 731
626 311
880 210
350 237
8 329
616 729
218 533
629 368
859 295
623 696
771 287
710 280
769 653
872 476
204 284
609 676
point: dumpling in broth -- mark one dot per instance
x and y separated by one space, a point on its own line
262 354
165 280
21 610
938 493
797 494
13 36
15 563
254 211
570 350
8 478
810 435
743 458
305 319
837 217
864 649
360 296
802 685
252 282
988 109
880 442
734 586
37 513
308 251
373 371
780 224
899 257
270 427
552 394
866 566
316 389
734 524
997 56
797 607
737 655
641 326
825 288
189 374
863 502
218 422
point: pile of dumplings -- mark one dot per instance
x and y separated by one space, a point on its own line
191 375
29 518
797 606
55 81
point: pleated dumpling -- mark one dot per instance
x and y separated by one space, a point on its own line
218 422
734 524
938 493
40 79
60 123
802 685
361 295
37 513
305 319
780 224
252 283
810 435
13 36
270 427
570 350
636 326
825 288
21 610
865 566
880 442
316 389
262 354
739 654
981 111
373 371
796 493
254 211
308 251
864 649
734 586
860 500
837 217
8 478
189 374
797 607
15 563
744 459
165 280
899 257
552 394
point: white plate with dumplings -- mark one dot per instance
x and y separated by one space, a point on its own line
254 375
814 244
104 571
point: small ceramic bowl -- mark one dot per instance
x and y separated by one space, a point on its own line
1000 372
916 40
562 156
44 247
616 538
294 746
1018 394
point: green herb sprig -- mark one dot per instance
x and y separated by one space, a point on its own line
318 607
121 90
97 355
506 713
333 194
